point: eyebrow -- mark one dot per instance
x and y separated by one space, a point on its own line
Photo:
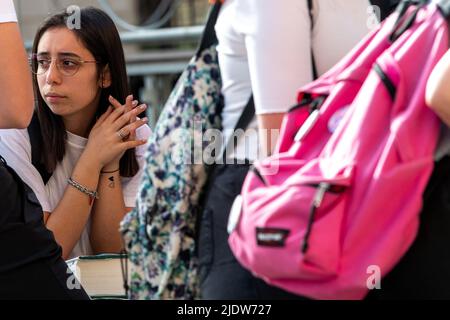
61 54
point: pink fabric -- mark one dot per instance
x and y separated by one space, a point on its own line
380 154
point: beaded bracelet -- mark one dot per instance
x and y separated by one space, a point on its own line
92 194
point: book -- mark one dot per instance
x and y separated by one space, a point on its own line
101 275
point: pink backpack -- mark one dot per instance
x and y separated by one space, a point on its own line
341 196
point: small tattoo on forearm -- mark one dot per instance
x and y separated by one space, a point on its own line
111 184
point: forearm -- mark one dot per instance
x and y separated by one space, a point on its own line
269 131
69 218
17 101
107 214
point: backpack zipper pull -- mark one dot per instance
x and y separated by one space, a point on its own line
307 126
317 202
312 119
323 187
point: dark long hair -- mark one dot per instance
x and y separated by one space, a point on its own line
100 36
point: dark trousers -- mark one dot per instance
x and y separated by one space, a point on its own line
221 275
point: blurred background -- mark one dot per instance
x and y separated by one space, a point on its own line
159 36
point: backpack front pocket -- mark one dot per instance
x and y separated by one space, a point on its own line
293 230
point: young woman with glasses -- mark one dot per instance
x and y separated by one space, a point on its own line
92 145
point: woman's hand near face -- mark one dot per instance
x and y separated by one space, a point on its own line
129 130
105 147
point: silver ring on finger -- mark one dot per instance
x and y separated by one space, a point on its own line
122 135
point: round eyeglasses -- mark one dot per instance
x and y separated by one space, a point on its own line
67 65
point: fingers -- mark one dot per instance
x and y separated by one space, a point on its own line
133 144
133 132
130 130
120 109
130 103
129 117
104 116
126 145
116 104
133 119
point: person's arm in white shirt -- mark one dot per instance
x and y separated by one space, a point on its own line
279 51
16 104
279 56
15 148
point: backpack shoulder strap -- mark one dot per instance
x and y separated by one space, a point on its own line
34 131
246 116
243 122
310 7
209 37
311 17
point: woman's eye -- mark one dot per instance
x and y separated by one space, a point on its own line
69 63
43 62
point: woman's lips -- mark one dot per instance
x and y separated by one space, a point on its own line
54 97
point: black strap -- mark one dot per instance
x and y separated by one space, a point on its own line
36 141
404 23
390 86
311 18
386 7
246 116
399 29
209 37
243 122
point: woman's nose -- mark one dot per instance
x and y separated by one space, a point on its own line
53 74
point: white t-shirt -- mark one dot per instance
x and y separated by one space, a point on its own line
7 11
265 48
15 147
